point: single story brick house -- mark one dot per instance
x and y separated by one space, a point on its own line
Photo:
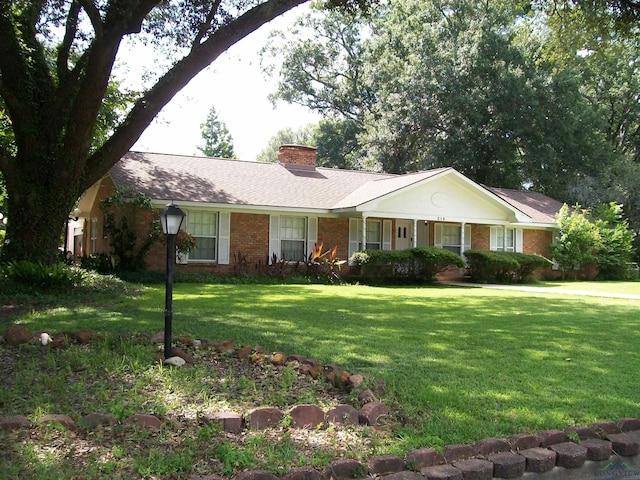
259 209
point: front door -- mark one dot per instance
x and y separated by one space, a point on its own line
404 234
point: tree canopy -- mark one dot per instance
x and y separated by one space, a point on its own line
56 70
514 94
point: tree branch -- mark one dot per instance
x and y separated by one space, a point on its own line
121 19
94 16
147 107
204 27
71 28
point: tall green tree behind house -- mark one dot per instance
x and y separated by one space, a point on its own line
449 83
53 103
218 142
607 61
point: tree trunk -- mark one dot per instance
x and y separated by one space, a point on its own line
38 204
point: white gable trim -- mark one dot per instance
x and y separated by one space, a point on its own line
371 206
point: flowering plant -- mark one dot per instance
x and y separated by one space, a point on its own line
185 242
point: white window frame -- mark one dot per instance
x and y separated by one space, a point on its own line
498 235
355 234
293 230
440 242
277 234
215 236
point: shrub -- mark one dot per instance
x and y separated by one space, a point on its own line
100 263
615 251
529 263
577 241
46 277
487 266
415 265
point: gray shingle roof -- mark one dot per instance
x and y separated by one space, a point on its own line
539 207
235 182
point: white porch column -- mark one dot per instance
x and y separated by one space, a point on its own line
415 233
364 232
462 225
504 238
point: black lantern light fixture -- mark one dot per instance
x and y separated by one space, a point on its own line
171 218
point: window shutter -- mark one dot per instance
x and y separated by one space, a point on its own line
386 235
312 233
224 233
274 237
493 239
519 242
467 238
354 241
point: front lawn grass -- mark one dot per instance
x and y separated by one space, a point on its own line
460 364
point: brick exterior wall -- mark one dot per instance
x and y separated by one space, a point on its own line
480 237
537 241
102 244
249 238
332 232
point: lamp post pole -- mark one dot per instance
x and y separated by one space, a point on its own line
171 218
168 297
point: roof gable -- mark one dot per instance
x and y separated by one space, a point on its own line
443 194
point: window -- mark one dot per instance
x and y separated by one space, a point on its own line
204 227
293 234
448 236
291 238
379 235
505 239
374 235
94 234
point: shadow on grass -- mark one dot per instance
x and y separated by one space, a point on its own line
459 364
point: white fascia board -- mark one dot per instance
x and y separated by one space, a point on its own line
535 226
244 208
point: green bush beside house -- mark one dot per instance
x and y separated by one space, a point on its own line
412 265
487 266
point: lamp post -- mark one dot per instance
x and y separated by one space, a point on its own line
171 218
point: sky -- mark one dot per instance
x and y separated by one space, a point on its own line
237 88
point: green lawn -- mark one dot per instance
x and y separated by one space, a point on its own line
460 364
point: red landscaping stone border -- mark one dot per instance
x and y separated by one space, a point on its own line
486 459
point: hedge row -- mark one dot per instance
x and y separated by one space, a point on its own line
487 266
413 265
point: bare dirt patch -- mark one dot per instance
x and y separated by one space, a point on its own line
120 378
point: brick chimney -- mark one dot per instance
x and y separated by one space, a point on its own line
297 156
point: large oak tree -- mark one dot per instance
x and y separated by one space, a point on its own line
56 67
